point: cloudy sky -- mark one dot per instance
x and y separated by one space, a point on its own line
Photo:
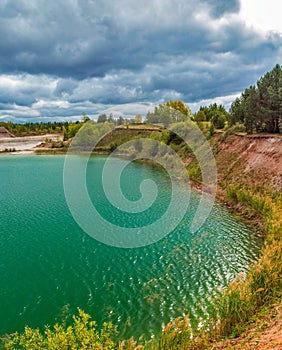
60 58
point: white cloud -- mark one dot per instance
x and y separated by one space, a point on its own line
45 104
226 101
264 15
130 109
19 113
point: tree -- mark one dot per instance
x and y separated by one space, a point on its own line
213 111
168 113
270 97
154 117
111 119
102 118
200 116
260 108
236 112
120 121
250 109
211 130
138 119
181 107
218 121
85 117
65 134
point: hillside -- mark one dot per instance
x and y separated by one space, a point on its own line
248 158
248 314
252 164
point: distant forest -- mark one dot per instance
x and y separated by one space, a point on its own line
257 110
67 128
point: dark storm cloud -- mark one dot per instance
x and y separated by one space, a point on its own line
62 58
87 38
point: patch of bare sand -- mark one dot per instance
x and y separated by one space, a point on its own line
22 145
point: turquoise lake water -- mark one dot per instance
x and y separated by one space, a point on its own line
47 262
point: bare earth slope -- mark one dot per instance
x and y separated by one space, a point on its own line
253 160
251 157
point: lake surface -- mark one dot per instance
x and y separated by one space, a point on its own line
48 262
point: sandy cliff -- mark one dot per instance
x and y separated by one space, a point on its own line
250 158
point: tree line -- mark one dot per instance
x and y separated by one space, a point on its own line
177 111
259 107
68 129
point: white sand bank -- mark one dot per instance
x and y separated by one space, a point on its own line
27 143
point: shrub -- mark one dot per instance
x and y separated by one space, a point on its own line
81 334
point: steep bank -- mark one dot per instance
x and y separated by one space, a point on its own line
251 159
250 179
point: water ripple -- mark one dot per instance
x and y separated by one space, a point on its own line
46 261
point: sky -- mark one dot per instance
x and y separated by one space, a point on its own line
62 58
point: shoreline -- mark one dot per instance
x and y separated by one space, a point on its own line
251 216
253 220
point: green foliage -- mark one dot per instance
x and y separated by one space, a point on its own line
68 129
175 335
179 106
85 118
89 135
237 128
102 118
200 116
236 112
244 298
81 334
213 112
113 146
211 130
194 171
219 121
260 108
169 113
138 119
120 121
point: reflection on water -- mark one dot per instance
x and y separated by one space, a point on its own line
46 261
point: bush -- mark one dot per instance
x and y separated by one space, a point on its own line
237 128
211 131
81 334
